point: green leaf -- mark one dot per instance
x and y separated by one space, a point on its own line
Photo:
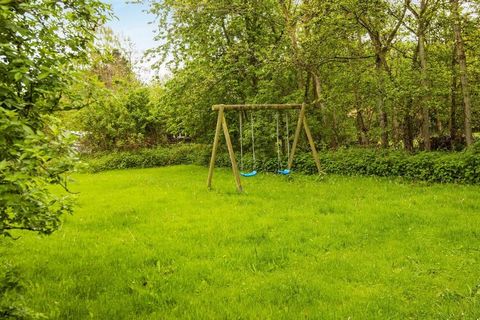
3 165
43 75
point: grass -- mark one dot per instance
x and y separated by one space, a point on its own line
155 244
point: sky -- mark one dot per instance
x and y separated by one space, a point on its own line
133 22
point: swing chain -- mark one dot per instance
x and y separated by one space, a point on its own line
278 143
253 142
241 139
279 157
287 134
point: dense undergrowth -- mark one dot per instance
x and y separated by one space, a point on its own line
459 167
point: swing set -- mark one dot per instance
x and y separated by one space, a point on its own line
222 124
278 145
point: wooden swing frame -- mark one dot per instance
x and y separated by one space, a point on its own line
222 124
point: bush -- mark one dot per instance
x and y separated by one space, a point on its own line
432 167
120 120
462 167
148 158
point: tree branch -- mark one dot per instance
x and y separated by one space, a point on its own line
408 3
395 30
8 227
359 19
352 58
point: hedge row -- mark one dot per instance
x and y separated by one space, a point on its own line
461 167
432 166
148 158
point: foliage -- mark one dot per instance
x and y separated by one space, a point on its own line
121 120
443 167
156 244
31 162
42 43
223 53
463 167
119 112
358 62
148 158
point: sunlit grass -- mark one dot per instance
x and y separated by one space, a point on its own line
155 244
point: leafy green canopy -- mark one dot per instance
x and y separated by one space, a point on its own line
220 52
358 62
42 43
119 112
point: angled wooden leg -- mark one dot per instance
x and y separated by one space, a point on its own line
312 144
236 173
215 148
297 136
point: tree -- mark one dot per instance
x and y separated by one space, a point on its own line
373 71
423 14
42 44
381 25
462 63
219 52
116 111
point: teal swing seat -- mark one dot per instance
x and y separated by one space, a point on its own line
249 174
284 172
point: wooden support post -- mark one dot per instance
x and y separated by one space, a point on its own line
215 148
236 173
312 144
297 136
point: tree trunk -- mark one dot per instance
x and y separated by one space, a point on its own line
335 139
452 124
425 97
439 124
462 62
395 127
408 134
362 130
306 97
318 96
380 100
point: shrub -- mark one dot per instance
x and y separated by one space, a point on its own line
462 167
147 158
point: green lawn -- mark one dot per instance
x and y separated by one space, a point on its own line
155 244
